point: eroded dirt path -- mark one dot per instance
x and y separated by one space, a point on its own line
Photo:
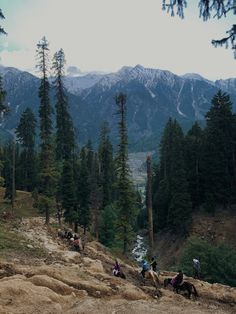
70 282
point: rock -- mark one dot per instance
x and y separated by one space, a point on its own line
93 265
53 284
131 292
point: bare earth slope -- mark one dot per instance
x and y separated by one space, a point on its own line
70 282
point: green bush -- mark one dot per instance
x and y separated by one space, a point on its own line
218 263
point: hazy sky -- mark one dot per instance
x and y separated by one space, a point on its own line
104 35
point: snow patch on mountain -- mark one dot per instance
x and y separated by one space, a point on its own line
228 85
179 103
193 76
146 76
76 84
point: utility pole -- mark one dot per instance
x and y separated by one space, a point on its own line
149 203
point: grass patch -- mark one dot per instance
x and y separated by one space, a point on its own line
12 242
23 205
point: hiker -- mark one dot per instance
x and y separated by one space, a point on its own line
197 268
178 279
76 236
145 268
116 269
69 234
153 265
77 244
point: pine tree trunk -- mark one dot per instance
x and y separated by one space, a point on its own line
149 203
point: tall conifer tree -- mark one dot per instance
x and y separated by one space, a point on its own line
193 162
47 167
65 142
107 176
83 191
126 216
26 132
64 126
173 200
219 138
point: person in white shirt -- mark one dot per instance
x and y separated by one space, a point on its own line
197 268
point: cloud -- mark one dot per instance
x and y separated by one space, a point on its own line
73 71
105 35
21 59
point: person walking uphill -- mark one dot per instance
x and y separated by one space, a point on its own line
145 268
178 279
116 269
197 268
153 264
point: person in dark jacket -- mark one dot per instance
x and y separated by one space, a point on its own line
153 264
178 279
116 269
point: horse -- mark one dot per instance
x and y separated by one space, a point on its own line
119 274
186 286
153 276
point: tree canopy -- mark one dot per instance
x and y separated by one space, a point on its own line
208 9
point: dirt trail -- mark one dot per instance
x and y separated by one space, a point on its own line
70 282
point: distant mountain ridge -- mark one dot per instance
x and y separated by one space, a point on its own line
153 96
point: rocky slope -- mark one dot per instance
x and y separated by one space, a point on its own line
70 282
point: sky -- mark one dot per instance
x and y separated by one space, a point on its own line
104 35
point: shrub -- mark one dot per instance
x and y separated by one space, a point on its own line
218 263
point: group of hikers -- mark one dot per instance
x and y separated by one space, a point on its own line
176 281
74 239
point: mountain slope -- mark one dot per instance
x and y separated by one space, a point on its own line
71 282
153 96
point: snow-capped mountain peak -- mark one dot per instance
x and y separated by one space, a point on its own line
193 76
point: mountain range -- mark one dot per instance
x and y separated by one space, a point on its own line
153 96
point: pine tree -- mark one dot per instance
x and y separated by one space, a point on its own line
173 200
108 225
68 192
10 158
95 195
65 141
105 152
218 172
126 216
26 132
47 168
193 161
83 191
